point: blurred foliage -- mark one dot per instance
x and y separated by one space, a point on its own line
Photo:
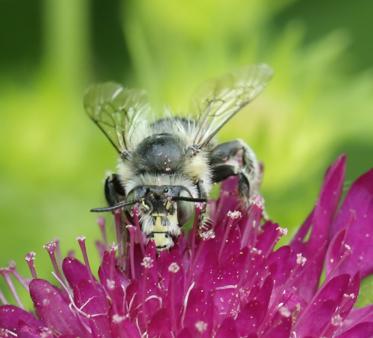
53 159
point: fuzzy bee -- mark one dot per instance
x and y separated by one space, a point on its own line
167 165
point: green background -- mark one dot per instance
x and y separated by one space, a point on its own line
53 160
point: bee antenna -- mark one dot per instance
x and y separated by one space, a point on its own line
193 150
125 155
115 207
189 199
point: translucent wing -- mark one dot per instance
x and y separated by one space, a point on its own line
117 111
220 101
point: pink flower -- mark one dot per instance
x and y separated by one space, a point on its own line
228 281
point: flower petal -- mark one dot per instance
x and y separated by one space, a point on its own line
268 238
199 313
361 330
280 265
114 282
316 317
185 333
124 328
328 202
318 223
29 332
253 313
280 329
337 252
343 309
227 329
12 318
89 296
160 324
53 309
356 216
356 316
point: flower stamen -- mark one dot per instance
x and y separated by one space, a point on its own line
23 281
5 272
3 300
201 326
102 225
147 262
51 248
30 260
120 234
131 230
5 332
83 248
225 237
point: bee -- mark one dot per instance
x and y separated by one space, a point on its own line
167 165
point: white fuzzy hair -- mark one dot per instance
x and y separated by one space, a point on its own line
149 179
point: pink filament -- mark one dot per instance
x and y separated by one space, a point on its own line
30 260
83 248
8 280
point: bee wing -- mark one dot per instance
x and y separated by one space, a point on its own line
224 97
116 111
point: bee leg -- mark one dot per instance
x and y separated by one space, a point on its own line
114 191
236 158
202 219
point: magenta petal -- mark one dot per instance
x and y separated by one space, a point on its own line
29 332
344 308
253 313
318 223
279 329
36 335
160 324
356 216
53 309
328 202
227 329
199 314
89 296
320 218
280 265
336 252
356 316
350 296
124 328
12 318
30 335
306 279
297 243
114 282
185 333
317 316
75 271
231 242
268 238
362 330
250 224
